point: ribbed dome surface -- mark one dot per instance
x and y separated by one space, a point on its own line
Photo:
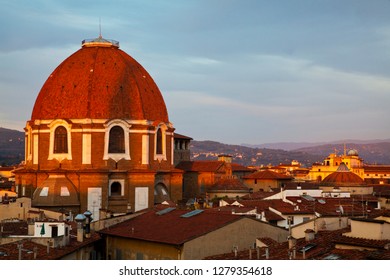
343 176
100 82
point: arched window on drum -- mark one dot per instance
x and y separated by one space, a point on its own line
60 140
116 140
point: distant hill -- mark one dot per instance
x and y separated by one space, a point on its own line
289 146
372 153
11 146
209 150
12 151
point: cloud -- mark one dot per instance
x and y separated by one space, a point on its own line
296 96
253 70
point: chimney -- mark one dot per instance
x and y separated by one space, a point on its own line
80 219
309 234
88 220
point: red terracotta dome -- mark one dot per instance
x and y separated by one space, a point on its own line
100 81
343 176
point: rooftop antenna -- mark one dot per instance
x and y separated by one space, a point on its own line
100 28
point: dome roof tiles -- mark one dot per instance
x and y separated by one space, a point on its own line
100 83
343 176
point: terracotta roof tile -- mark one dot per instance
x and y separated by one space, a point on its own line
10 251
324 246
362 242
258 195
100 83
200 166
238 167
268 175
14 228
180 136
342 177
230 184
376 168
171 227
331 206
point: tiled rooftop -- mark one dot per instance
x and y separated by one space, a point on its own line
268 175
229 184
116 87
377 168
10 251
171 227
323 246
13 228
200 166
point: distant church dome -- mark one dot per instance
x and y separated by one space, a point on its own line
353 152
343 176
100 81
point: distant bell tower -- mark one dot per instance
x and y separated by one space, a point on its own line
182 148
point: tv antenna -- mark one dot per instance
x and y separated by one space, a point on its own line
100 28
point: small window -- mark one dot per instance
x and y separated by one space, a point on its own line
159 145
54 231
60 140
116 189
44 191
65 191
117 140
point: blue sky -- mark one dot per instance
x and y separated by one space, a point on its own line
231 71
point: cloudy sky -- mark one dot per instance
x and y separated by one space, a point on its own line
245 71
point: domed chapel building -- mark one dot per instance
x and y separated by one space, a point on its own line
99 137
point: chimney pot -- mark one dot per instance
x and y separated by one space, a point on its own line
309 234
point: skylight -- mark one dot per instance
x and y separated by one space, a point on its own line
308 247
165 211
332 257
192 213
308 197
